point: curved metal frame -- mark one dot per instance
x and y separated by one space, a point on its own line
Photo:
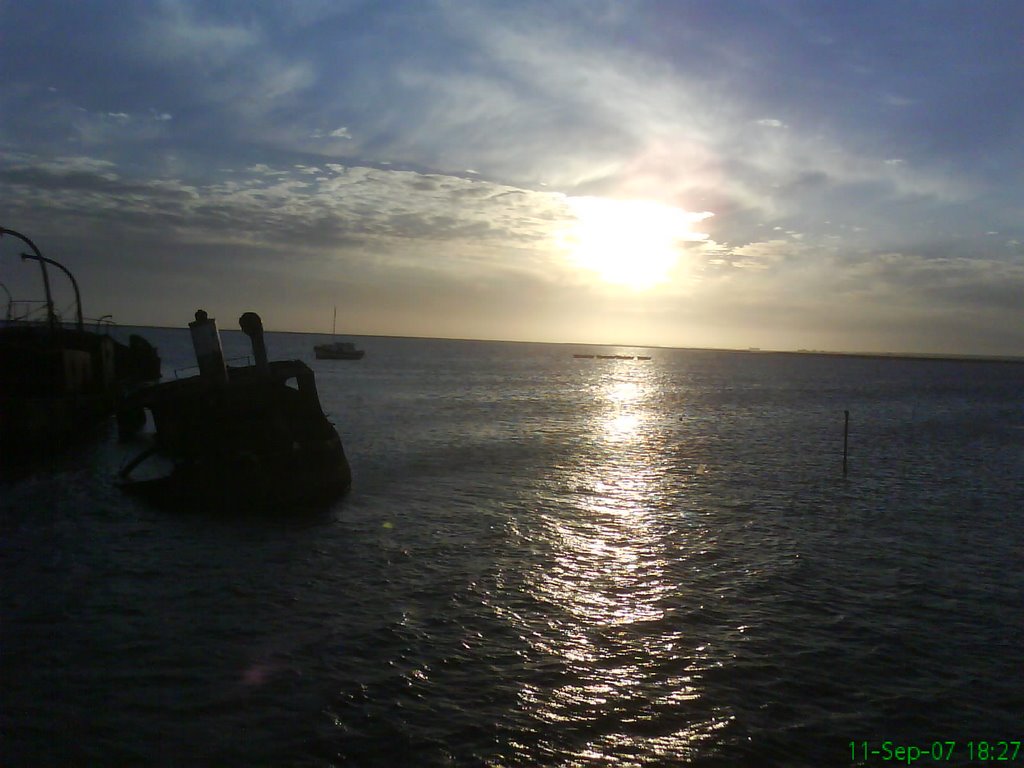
43 261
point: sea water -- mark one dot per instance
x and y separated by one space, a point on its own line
545 560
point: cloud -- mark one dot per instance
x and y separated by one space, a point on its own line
897 101
761 255
235 80
976 285
337 133
60 166
175 32
298 207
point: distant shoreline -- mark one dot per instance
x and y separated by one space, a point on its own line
928 356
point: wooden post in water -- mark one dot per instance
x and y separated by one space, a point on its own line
846 438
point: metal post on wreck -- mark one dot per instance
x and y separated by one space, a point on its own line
252 326
846 438
209 353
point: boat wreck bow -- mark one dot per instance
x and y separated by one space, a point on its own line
252 434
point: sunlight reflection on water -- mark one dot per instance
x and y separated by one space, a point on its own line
608 587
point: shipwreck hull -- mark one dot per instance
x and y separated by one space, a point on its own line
251 436
269 482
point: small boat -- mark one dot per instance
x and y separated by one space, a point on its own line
337 350
59 381
254 435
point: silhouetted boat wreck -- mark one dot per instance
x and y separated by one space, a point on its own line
252 435
58 383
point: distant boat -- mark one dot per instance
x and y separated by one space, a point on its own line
337 350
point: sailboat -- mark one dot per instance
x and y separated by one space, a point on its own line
337 350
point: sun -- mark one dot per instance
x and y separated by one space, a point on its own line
632 243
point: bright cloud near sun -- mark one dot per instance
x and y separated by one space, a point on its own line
632 243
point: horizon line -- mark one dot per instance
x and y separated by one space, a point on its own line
905 355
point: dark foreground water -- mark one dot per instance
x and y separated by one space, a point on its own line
547 561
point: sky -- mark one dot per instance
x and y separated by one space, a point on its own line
841 175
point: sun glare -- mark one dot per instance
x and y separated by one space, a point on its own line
633 243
